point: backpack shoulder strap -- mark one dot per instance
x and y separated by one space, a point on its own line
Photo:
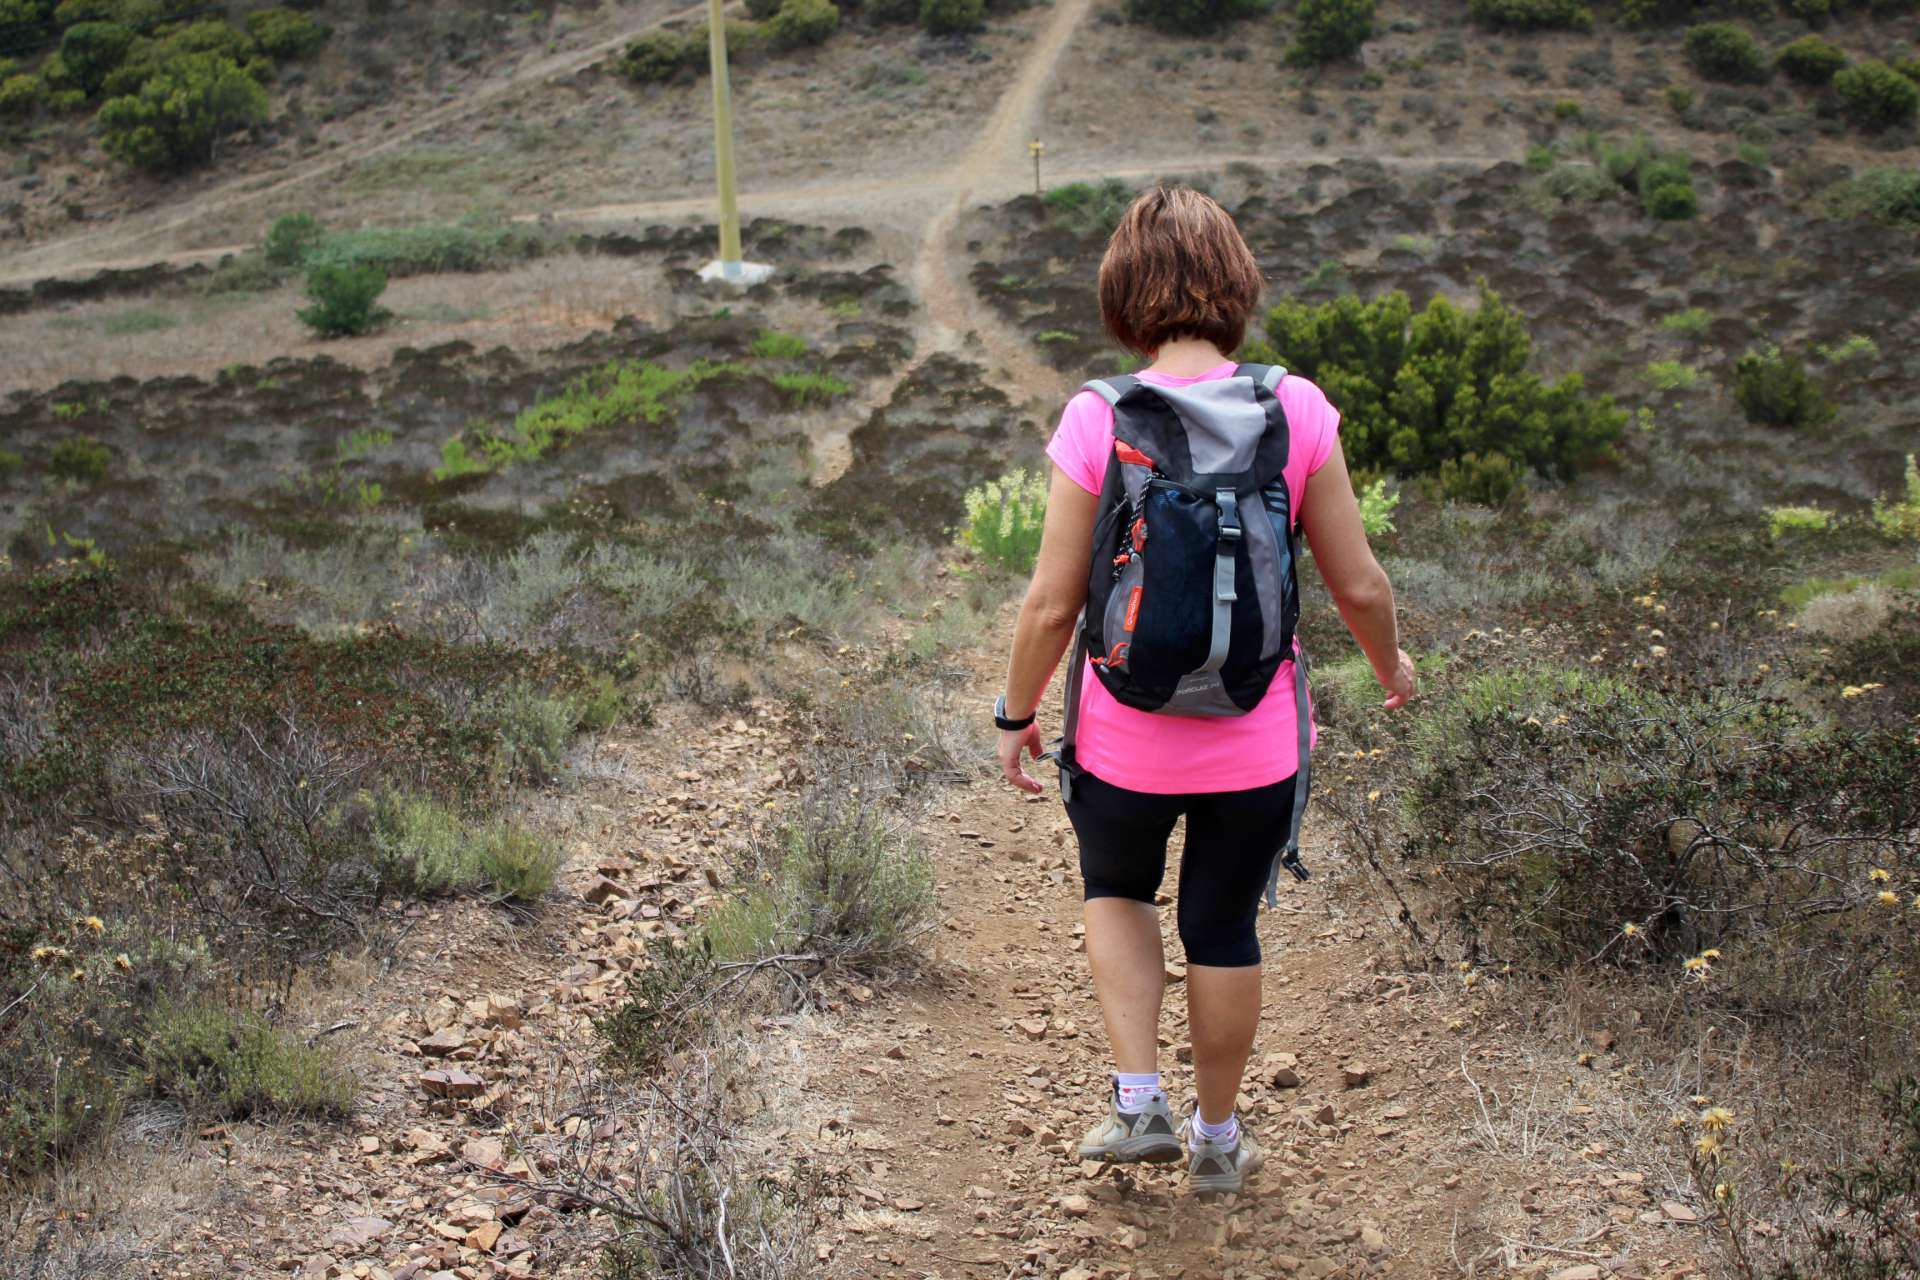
1111 389
1267 375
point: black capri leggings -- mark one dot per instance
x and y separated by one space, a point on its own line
1232 839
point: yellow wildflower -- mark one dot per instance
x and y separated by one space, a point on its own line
1697 964
93 924
1855 690
123 963
1708 1146
1888 898
1679 1120
1711 953
1879 875
1723 1192
1701 1100
1630 929
1715 1119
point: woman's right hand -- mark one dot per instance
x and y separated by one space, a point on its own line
1398 682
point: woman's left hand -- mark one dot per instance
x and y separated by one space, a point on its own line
1012 742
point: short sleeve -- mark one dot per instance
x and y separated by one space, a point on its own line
1315 421
1081 441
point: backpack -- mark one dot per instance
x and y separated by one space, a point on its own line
1191 594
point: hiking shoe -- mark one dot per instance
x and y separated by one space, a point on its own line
1221 1170
1127 1136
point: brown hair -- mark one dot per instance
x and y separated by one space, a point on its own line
1177 267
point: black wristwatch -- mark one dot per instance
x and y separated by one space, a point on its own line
1001 719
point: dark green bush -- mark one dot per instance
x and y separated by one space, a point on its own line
80 458
1491 481
1666 189
19 94
1876 96
948 17
90 51
151 57
1329 30
1090 209
1416 390
179 116
286 34
1886 195
1812 60
1191 17
891 11
345 300
655 57
1773 388
761 10
291 238
1531 15
1723 51
801 23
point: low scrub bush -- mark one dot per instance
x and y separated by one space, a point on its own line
476 243
1782 521
1774 389
1663 182
1691 322
20 94
1417 390
1191 17
80 458
1329 30
1090 209
953 17
178 116
802 23
345 301
1377 506
1531 15
1004 519
667 1005
90 51
1490 481
1900 517
291 238
771 344
426 847
1885 195
287 35
804 389
1724 51
659 56
1875 96
228 1065
1811 60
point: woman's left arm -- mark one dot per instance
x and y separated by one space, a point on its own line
1047 617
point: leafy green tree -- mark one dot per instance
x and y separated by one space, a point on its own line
1811 60
1330 30
1723 51
149 58
1418 390
345 301
800 23
178 117
89 51
953 17
1876 96
1191 17
287 35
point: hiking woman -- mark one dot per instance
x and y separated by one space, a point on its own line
1177 286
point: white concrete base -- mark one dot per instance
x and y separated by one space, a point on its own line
740 273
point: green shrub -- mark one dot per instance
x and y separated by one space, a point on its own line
80 458
1531 15
1812 60
761 10
1330 30
1885 195
345 301
1191 17
152 57
1900 517
802 23
1875 96
19 94
515 864
804 389
771 344
617 393
475 243
667 1004
1377 507
178 117
1785 520
1679 99
950 17
1490 481
531 731
1692 322
1090 209
659 56
1773 388
286 34
291 238
226 1065
11 465
1669 196
1418 390
1004 518
424 847
1578 184
1723 51
89 51
1671 375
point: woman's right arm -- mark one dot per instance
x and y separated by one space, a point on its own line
1330 516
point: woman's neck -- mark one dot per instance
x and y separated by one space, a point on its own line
1186 358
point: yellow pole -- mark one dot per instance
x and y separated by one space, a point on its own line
723 139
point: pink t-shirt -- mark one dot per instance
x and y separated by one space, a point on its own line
1168 754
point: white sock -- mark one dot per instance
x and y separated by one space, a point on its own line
1137 1089
1224 1134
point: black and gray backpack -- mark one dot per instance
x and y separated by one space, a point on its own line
1191 595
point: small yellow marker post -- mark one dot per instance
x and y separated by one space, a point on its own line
1035 149
728 266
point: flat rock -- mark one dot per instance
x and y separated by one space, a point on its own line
357 1233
